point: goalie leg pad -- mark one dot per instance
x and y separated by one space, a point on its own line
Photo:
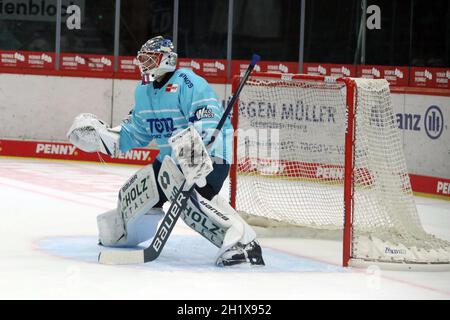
133 221
138 195
111 228
216 220
143 228
170 179
240 245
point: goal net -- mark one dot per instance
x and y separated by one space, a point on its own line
325 154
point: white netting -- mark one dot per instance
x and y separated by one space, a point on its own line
290 160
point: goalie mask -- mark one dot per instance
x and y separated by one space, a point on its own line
156 58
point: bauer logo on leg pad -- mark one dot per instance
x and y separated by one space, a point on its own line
168 223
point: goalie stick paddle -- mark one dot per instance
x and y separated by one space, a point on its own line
178 204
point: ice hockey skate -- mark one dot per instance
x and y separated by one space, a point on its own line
250 253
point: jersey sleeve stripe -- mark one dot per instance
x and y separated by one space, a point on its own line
203 100
211 106
161 111
208 122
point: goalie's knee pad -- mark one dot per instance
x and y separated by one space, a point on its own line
114 233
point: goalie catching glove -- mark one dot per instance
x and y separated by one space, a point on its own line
90 134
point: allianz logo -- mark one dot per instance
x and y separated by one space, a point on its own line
432 122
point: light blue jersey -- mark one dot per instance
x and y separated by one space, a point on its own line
185 99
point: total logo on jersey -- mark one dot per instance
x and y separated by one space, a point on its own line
161 125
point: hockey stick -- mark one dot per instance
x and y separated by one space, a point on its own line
178 204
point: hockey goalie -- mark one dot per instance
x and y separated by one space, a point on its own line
170 102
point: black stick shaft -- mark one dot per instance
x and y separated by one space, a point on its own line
255 59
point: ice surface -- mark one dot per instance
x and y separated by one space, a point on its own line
49 248
184 253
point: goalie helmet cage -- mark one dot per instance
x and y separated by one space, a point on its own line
324 154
